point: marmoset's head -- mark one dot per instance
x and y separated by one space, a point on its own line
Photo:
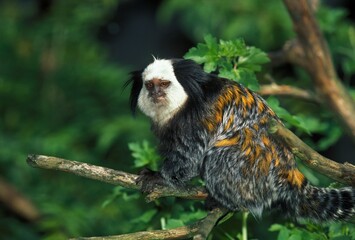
165 86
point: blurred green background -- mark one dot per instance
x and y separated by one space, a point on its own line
62 68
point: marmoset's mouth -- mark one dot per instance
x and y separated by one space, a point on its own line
158 99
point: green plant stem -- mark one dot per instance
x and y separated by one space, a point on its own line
245 225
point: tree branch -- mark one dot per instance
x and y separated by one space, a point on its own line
103 174
317 61
111 176
17 203
344 173
198 230
291 52
286 90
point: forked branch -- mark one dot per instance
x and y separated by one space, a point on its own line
312 53
197 230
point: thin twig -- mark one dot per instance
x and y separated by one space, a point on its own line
291 52
286 90
198 230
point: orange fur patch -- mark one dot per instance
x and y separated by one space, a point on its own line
248 134
247 151
261 106
209 125
265 140
295 178
264 120
249 99
257 151
227 142
226 98
273 153
264 164
229 123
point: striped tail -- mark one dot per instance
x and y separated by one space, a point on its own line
325 204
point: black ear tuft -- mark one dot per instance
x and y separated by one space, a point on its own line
137 83
192 78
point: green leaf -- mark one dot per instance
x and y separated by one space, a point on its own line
283 234
282 113
211 42
192 216
275 227
226 218
226 71
198 54
210 67
232 49
341 231
146 217
174 223
253 59
332 136
342 238
248 78
295 237
120 192
144 155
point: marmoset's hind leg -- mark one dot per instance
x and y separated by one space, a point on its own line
235 185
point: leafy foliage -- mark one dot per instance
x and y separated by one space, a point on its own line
340 34
336 231
232 59
292 120
144 155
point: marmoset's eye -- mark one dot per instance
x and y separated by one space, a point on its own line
164 84
149 85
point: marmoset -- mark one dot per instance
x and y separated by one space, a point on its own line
217 129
